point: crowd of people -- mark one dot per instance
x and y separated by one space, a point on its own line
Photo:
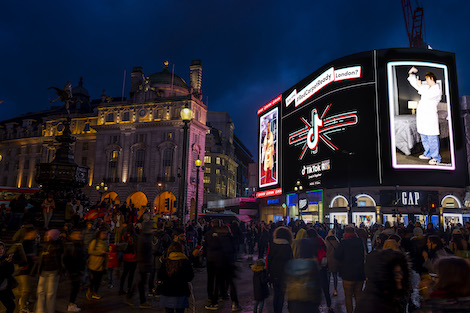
382 268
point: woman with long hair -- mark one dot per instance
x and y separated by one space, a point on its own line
435 251
332 242
175 274
97 263
129 238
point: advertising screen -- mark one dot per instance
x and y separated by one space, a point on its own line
420 120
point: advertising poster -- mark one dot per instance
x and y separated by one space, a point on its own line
268 146
420 116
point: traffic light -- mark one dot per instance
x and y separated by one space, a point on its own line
167 203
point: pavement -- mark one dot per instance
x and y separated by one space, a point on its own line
112 302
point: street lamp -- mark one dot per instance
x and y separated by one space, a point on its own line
198 163
101 188
298 189
186 116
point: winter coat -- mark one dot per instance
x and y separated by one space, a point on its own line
350 255
144 253
176 285
51 257
219 248
332 243
260 283
301 234
98 259
280 253
6 275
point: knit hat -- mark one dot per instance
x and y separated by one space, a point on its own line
53 234
417 231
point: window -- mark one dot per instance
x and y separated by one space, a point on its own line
85 146
168 136
167 163
26 164
28 149
207 159
113 139
114 155
223 162
139 164
110 118
207 180
38 149
112 165
126 116
361 203
217 160
196 138
217 171
140 137
159 114
207 170
24 183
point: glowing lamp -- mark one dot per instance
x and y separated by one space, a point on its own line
198 162
413 105
186 114
97 187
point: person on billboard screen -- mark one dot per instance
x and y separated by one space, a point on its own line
427 121
267 156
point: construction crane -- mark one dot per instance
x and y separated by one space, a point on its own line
414 20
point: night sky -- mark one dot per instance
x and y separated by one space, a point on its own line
251 51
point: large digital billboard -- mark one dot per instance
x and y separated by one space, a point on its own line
377 118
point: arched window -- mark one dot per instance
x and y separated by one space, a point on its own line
167 164
365 200
112 166
139 165
451 201
339 202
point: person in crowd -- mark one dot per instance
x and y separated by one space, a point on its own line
260 285
17 206
88 235
74 262
321 257
97 263
28 246
302 280
175 273
263 240
388 283
417 246
129 261
7 281
213 251
451 291
301 234
280 253
458 245
179 235
144 261
48 206
160 243
332 242
430 230
77 213
113 264
350 255
49 269
251 239
435 250
69 211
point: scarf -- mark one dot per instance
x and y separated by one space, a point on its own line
175 256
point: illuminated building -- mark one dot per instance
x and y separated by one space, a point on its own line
351 135
133 145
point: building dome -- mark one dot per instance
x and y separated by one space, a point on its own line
80 90
165 77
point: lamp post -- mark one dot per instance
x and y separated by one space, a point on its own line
159 184
101 188
186 116
198 163
298 189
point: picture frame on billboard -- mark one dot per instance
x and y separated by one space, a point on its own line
420 116
269 149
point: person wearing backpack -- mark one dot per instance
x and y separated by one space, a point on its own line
160 243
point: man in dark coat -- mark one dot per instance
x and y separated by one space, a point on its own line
350 255
144 261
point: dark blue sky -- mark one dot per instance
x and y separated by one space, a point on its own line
251 51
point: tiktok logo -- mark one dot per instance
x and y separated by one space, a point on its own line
321 128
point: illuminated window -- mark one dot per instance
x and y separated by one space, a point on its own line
217 160
139 164
207 180
223 162
167 164
208 170
114 155
217 171
207 159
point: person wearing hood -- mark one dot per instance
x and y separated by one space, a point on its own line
301 234
435 251
50 267
279 254
260 285
350 255
332 242
176 273
388 283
